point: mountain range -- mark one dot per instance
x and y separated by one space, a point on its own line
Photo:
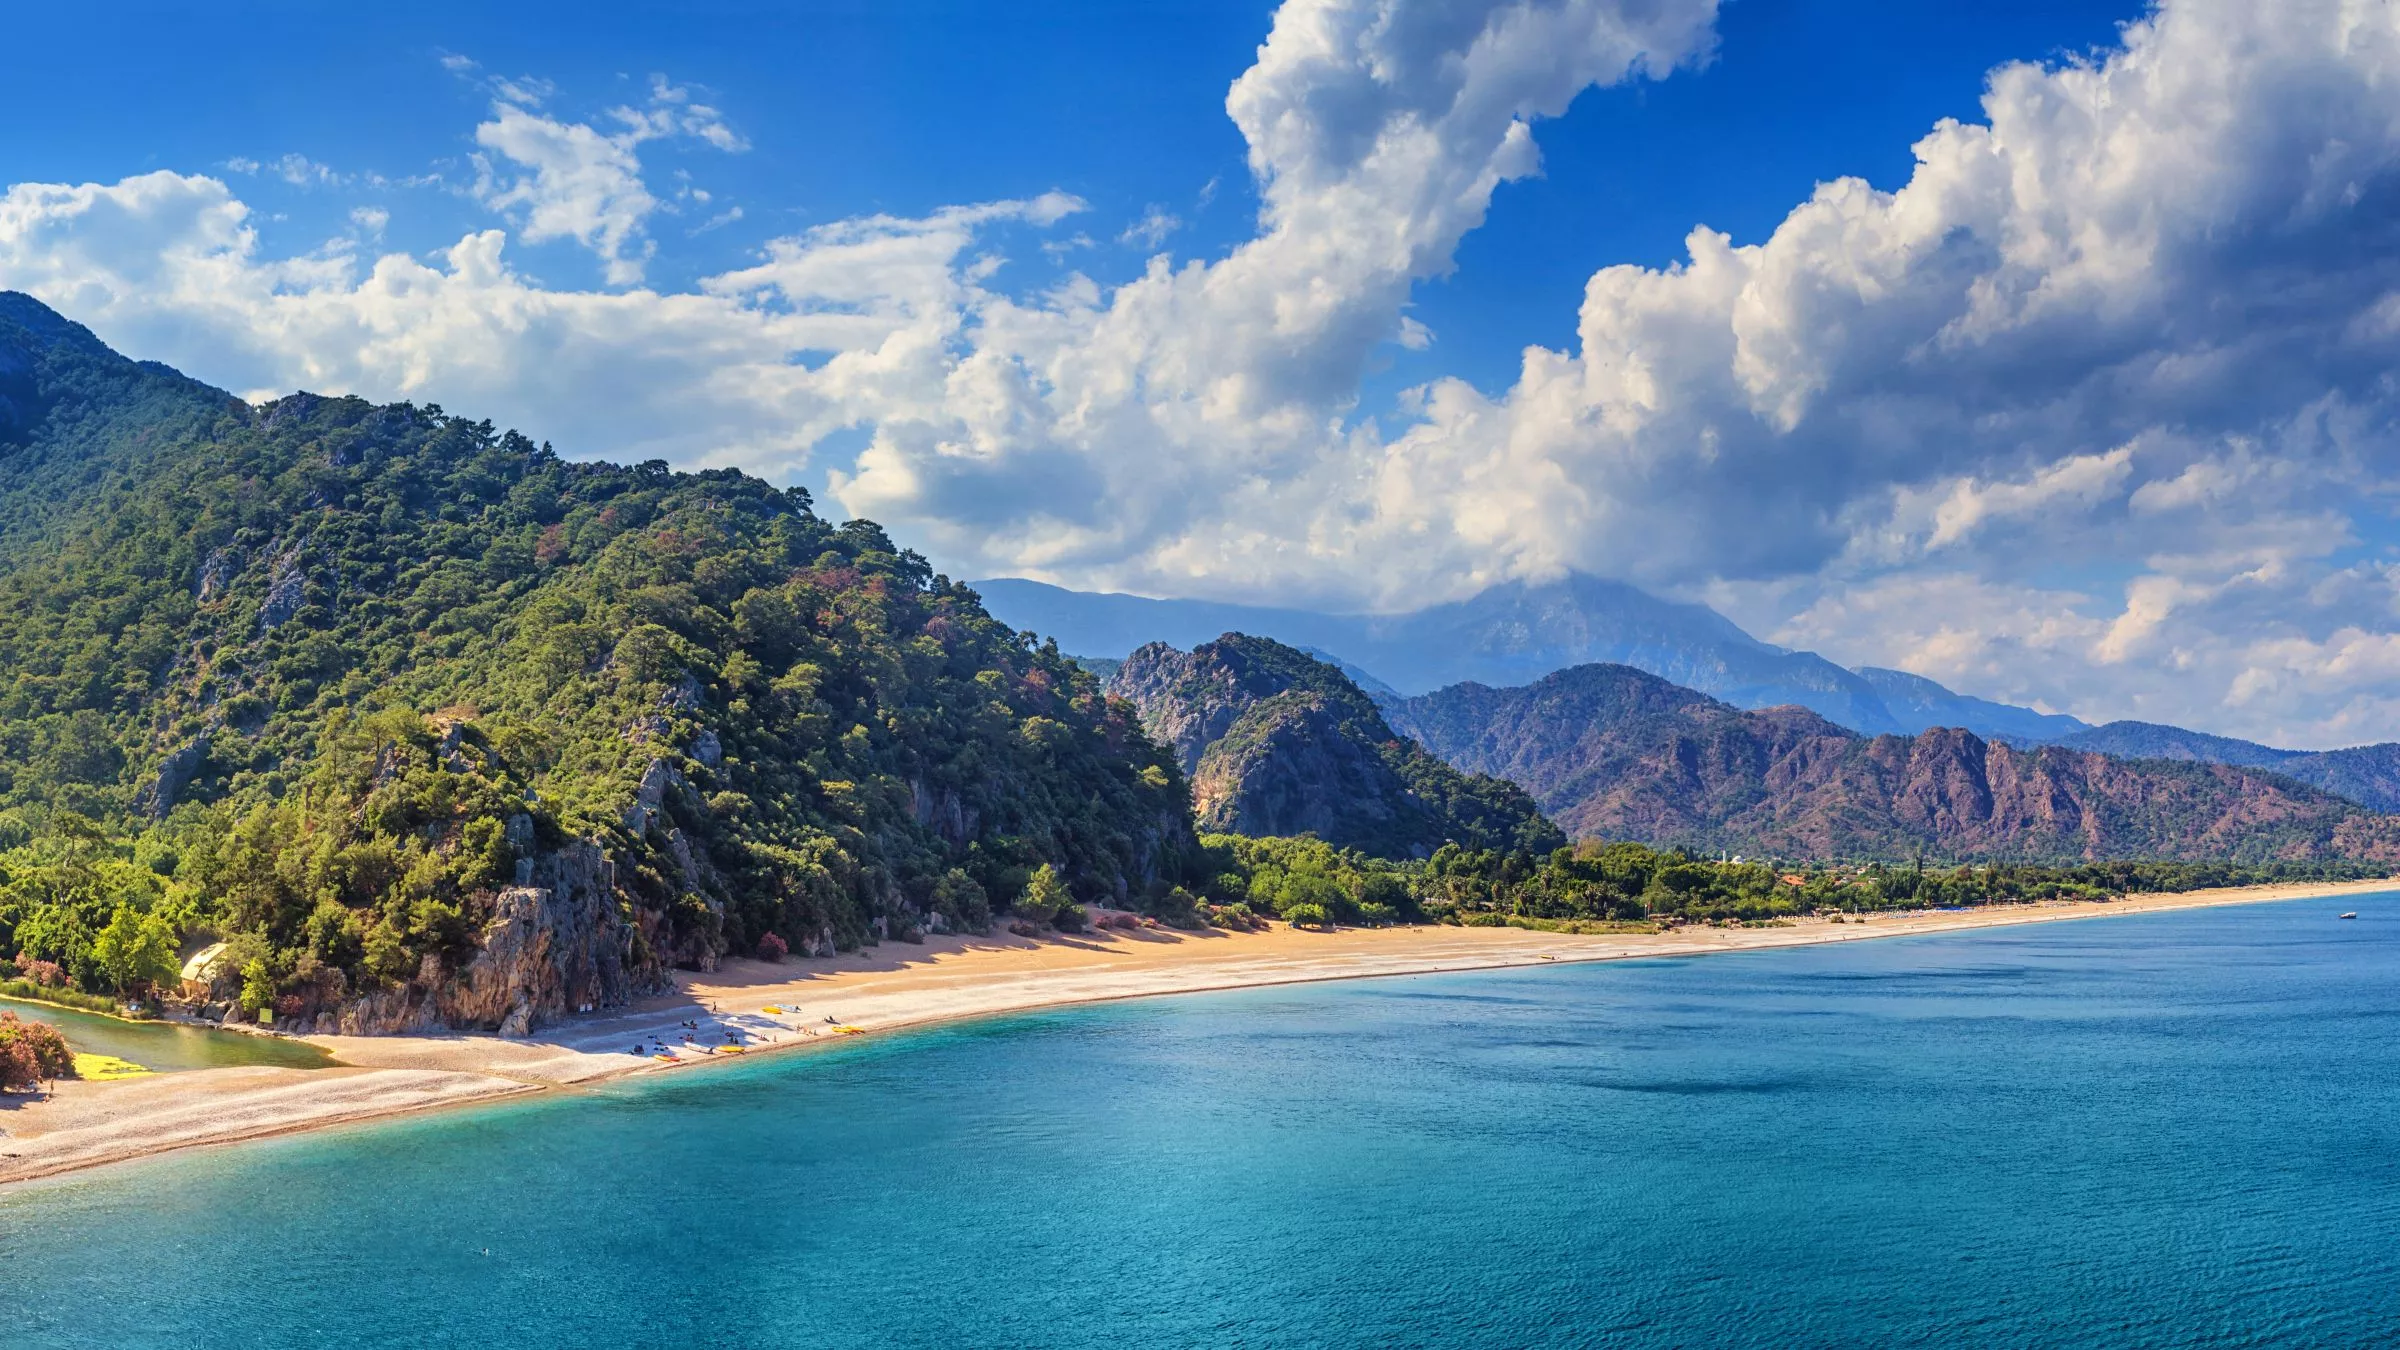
2366 774
1516 633
1617 753
431 726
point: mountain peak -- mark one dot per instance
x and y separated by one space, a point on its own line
44 328
1512 634
1279 743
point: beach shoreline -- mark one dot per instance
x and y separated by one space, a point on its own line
889 988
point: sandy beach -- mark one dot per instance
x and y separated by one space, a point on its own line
750 1007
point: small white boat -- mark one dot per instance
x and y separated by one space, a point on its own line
2351 915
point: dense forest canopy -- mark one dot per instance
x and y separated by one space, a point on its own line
328 679
1279 742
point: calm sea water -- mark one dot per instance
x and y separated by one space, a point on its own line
167 1046
2165 1130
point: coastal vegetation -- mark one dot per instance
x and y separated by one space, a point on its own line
359 688
1597 885
31 1054
60 995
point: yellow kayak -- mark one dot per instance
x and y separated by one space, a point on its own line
849 1031
775 1009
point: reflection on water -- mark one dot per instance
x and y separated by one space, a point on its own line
167 1046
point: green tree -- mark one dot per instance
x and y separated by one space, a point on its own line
258 988
1045 896
136 952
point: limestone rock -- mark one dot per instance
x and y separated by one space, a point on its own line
546 950
175 772
286 591
218 572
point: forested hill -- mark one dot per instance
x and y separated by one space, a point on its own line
1280 743
1612 752
431 725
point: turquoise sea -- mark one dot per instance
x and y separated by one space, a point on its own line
2160 1130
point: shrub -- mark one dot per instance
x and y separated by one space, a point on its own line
68 998
961 900
45 974
1178 908
31 1053
1238 917
772 947
1308 916
258 988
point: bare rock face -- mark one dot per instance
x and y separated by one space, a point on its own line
942 812
650 797
157 797
1287 767
218 573
549 949
1189 700
285 592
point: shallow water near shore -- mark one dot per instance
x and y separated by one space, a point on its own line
168 1046
2172 1129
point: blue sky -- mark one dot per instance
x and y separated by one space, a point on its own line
2080 397
911 105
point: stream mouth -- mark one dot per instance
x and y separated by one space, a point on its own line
170 1047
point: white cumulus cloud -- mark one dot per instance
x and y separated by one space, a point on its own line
2093 410
571 180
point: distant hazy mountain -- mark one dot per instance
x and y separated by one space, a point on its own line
1515 634
1612 752
2366 774
2151 740
1919 704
